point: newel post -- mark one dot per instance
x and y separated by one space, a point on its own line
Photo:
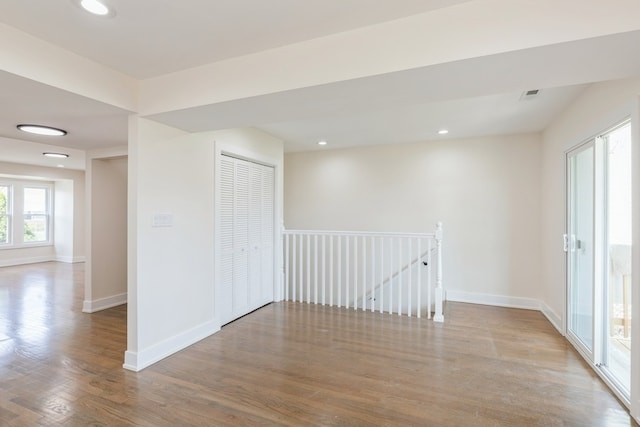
438 317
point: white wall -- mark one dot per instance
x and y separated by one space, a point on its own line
171 284
485 190
63 220
106 272
601 106
69 209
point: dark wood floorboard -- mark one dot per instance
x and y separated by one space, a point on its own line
289 364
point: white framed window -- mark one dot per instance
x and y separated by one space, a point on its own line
25 213
5 214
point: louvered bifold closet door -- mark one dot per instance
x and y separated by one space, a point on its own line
268 235
255 234
226 213
247 237
240 301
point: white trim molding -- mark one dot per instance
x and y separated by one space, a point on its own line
69 259
137 361
552 317
496 300
508 302
104 303
24 261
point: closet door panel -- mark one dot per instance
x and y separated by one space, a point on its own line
240 300
255 235
226 221
268 235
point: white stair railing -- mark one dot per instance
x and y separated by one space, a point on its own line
384 272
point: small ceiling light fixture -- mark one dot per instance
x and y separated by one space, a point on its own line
322 142
96 7
443 132
41 130
56 155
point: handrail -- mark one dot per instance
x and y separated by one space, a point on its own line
402 270
359 233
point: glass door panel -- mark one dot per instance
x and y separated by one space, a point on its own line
580 246
617 289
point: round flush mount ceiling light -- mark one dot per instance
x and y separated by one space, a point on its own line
56 155
443 132
95 7
322 142
41 130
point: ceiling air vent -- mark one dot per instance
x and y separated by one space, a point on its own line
530 94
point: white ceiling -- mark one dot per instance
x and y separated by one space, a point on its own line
176 35
149 38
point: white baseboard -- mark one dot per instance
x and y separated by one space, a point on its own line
104 303
38 259
131 361
137 361
497 300
69 259
24 261
552 317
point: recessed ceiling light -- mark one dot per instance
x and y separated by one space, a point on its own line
56 155
42 130
443 132
322 142
60 166
94 6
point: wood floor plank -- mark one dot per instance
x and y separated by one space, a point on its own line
289 364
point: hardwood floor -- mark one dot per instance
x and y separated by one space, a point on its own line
289 364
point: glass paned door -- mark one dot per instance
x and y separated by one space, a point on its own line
598 243
617 289
580 239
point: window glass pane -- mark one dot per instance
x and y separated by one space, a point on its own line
618 281
4 214
36 215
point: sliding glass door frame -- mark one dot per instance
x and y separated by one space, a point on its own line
576 270
595 351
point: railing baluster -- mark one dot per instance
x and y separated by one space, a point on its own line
372 273
381 303
308 269
301 272
315 269
324 270
429 279
410 279
400 275
346 267
355 272
391 256
340 271
285 239
419 304
331 271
